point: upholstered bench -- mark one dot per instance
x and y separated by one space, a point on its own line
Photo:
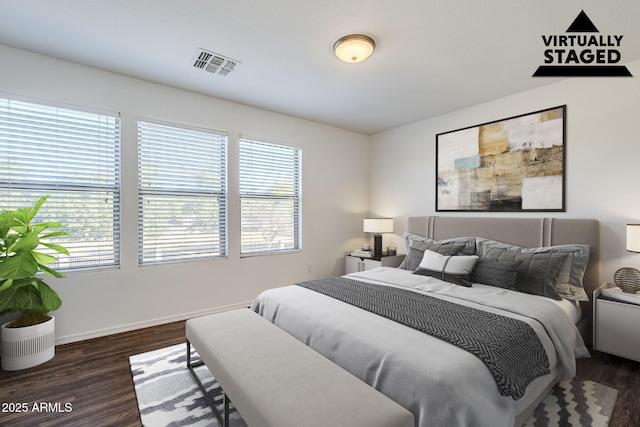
274 380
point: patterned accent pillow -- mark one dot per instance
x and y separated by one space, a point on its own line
416 245
536 273
501 274
450 268
569 283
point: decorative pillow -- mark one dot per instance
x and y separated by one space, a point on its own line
575 293
501 274
417 249
537 272
569 283
450 268
416 245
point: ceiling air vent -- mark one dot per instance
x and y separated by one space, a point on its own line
213 62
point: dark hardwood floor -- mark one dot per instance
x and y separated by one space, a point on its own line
89 383
93 376
621 374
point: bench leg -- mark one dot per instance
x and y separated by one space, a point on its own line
226 409
212 405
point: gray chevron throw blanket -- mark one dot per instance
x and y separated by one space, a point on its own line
509 347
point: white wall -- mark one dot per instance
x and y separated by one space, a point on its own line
602 158
341 184
334 200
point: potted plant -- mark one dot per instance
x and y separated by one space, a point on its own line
28 340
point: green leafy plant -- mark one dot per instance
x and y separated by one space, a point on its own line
21 288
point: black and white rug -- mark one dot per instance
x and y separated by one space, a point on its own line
167 396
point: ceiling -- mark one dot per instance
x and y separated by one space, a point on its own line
431 57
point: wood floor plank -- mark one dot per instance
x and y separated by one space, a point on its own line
621 374
94 377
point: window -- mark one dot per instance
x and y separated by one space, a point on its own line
74 157
270 197
182 194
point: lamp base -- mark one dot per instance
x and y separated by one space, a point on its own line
377 245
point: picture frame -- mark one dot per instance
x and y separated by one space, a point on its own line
515 164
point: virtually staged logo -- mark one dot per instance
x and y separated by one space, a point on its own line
581 53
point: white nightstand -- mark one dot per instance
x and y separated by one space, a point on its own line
353 264
616 318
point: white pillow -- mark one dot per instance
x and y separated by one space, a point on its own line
460 265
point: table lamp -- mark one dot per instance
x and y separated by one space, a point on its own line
377 226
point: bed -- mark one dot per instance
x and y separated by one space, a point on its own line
440 383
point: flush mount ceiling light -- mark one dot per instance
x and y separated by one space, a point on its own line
354 48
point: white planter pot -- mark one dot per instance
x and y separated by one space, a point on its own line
29 346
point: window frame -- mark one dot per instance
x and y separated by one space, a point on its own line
295 198
58 126
219 137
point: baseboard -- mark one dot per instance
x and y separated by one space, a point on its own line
66 339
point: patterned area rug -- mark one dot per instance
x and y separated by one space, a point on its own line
577 402
167 396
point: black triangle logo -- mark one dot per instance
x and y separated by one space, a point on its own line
582 24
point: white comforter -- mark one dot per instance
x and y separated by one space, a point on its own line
439 383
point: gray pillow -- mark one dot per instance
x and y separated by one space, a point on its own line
501 274
416 245
569 283
536 273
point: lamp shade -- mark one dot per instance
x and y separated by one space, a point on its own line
354 48
633 237
377 225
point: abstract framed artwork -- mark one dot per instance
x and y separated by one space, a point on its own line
511 165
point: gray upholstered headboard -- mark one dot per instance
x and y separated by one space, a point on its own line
526 232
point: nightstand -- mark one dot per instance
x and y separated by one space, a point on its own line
353 264
616 317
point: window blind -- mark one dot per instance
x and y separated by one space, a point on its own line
182 194
270 197
74 157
